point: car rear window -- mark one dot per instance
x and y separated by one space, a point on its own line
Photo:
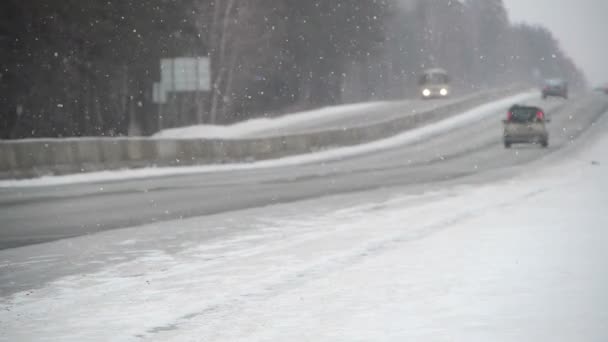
555 83
523 114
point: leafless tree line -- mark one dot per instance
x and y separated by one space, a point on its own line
75 68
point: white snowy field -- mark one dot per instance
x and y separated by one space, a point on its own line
518 260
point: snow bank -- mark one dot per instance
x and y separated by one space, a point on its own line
242 129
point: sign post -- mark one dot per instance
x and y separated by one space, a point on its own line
179 75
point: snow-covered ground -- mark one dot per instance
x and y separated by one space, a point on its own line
404 138
245 128
524 259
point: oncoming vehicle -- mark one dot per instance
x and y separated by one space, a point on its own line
525 124
555 87
434 83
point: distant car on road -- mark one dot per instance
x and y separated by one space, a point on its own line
603 89
525 124
434 83
556 88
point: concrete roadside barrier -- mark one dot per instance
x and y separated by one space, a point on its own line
8 161
88 154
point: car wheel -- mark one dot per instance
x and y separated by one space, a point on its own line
544 143
507 144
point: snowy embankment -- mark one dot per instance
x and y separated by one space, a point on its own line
519 260
243 129
404 138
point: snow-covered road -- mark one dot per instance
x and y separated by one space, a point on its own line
523 259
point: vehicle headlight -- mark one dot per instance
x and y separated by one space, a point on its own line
443 92
426 92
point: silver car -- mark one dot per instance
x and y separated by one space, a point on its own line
526 124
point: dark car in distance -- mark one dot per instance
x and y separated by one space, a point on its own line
555 88
603 89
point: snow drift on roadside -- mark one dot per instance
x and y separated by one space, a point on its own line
242 129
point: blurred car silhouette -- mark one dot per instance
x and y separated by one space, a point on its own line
602 89
555 88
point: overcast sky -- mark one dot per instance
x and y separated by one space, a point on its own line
580 25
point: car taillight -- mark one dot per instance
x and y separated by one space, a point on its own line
540 115
509 116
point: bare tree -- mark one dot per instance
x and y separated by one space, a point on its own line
220 40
